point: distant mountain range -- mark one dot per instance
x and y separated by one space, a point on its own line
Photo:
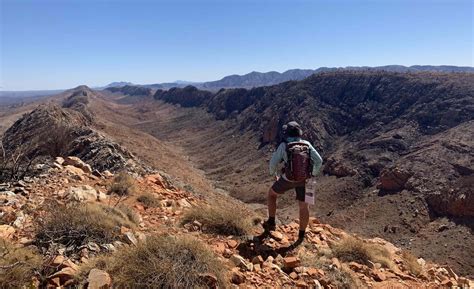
253 79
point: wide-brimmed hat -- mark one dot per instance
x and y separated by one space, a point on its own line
293 128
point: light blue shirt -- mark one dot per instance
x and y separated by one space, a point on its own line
280 155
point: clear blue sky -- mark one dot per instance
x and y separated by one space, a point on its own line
61 44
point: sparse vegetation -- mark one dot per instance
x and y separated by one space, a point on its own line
149 200
224 220
78 225
354 249
342 278
17 266
163 262
123 184
129 212
411 263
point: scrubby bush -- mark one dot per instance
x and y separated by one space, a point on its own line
148 200
17 266
123 184
353 249
223 220
78 225
163 262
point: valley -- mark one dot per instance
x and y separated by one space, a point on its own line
232 152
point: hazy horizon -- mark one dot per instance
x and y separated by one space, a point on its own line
58 45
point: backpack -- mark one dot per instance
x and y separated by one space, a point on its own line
298 166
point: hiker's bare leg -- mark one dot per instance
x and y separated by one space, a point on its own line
304 215
272 203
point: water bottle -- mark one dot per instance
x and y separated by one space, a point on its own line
310 191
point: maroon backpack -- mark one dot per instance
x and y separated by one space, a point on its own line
298 166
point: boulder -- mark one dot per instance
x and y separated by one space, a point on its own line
84 193
98 279
291 262
78 163
393 179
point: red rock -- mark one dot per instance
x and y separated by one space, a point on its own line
58 261
232 243
313 272
356 266
393 179
276 235
291 262
302 284
379 276
55 282
64 274
98 279
293 275
219 248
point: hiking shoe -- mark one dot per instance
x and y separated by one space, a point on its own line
269 226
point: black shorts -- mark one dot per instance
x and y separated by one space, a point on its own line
283 185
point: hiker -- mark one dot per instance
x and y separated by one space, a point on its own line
301 162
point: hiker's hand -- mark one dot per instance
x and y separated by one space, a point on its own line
276 178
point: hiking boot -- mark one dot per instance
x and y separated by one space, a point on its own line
268 226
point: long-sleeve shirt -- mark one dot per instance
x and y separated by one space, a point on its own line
280 155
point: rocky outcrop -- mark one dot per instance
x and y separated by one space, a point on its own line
52 131
393 179
188 96
131 90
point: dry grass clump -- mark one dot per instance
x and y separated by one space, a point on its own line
411 263
148 200
123 184
130 214
342 278
353 249
163 262
78 225
17 266
224 220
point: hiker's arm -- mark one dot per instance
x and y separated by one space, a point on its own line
277 157
317 160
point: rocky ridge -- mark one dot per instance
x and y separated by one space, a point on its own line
51 130
249 262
